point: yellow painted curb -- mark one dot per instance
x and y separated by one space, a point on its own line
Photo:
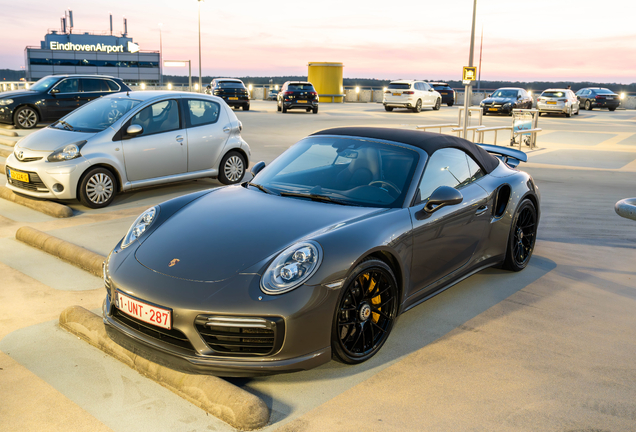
214 395
76 255
9 133
47 207
8 142
5 153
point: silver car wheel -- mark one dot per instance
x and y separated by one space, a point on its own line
27 118
99 188
233 168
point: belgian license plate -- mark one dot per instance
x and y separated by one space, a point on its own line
551 103
19 176
233 98
492 109
397 94
143 311
300 101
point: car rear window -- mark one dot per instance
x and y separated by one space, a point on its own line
303 87
231 84
558 94
441 87
603 91
399 86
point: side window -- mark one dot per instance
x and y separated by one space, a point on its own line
160 117
425 87
70 85
447 167
476 172
112 85
90 85
202 112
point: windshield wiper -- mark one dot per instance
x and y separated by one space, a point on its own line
262 188
66 125
315 197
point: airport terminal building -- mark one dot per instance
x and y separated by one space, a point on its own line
63 52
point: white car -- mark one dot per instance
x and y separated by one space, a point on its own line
559 101
126 141
412 95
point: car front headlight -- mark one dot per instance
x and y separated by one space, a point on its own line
139 226
5 102
291 268
67 152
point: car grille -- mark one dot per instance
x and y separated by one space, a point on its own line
35 184
172 337
241 336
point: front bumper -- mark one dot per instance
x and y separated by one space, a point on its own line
43 176
6 114
503 109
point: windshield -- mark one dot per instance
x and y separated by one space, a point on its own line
557 94
400 86
231 84
44 84
505 94
97 115
345 170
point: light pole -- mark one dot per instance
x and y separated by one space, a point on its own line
200 84
160 56
468 88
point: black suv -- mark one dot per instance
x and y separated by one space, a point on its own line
54 96
595 97
448 94
298 95
232 91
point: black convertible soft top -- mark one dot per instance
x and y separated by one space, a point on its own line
427 141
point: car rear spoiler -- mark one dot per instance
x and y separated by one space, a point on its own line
508 156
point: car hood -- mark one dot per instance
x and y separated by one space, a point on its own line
16 93
500 100
232 228
50 139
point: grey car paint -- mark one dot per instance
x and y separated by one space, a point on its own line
220 275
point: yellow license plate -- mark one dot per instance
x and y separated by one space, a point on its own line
23 177
551 103
302 101
233 98
397 94
492 109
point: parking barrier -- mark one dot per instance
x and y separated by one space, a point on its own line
9 133
626 208
214 395
73 254
7 142
47 207
5 153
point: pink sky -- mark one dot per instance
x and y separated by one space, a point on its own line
538 40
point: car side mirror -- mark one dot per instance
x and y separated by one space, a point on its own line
134 129
257 168
441 197
430 89
54 91
518 96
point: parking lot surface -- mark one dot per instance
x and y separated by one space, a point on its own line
549 348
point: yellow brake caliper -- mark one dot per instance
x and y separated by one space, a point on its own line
375 300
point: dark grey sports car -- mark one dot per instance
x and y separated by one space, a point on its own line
319 254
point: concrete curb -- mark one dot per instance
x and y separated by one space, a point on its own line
47 207
9 133
76 255
5 153
8 142
214 395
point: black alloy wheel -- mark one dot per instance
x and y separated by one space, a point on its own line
438 103
588 105
523 235
246 107
388 108
450 104
366 312
26 118
418 106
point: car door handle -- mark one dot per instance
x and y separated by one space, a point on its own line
481 210
180 139
226 129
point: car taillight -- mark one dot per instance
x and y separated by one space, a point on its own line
600 97
313 93
288 93
408 92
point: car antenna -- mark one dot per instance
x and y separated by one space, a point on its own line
128 93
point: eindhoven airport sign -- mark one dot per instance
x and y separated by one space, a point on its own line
69 46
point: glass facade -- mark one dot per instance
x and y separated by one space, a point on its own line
96 63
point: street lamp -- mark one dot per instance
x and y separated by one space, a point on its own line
160 56
199 2
468 89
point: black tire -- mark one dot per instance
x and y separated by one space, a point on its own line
366 312
388 108
569 113
315 110
278 106
578 109
246 107
232 168
97 188
438 104
308 110
283 108
418 106
450 104
588 105
612 109
522 237
26 117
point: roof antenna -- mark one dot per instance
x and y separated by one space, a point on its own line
128 93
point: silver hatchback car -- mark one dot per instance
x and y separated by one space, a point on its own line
558 101
127 141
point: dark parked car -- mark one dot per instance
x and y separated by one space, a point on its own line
232 91
595 97
318 255
448 94
273 94
298 95
504 100
52 97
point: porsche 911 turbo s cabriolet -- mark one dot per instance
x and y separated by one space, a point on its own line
316 256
